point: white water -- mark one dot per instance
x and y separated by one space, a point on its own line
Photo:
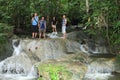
52 35
98 49
98 69
33 72
12 67
9 67
17 49
16 71
84 48
15 77
98 76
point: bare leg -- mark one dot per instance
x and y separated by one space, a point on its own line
40 35
53 29
33 35
43 34
56 30
64 35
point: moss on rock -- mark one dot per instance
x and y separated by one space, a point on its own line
61 70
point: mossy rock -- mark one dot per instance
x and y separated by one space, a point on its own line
61 70
54 72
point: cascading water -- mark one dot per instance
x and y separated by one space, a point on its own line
100 68
52 35
33 72
17 66
17 47
20 65
97 70
86 48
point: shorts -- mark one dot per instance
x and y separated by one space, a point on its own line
54 26
34 28
63 29
42 30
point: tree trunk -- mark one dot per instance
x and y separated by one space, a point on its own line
107 34
87 6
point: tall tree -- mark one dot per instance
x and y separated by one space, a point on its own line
87 6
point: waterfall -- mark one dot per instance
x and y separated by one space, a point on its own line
99 70
11 68
52 35
17 66
84 48
33 72
98 49
25 54
8 65
17 47
20 66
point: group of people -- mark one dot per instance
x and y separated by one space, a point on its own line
40 25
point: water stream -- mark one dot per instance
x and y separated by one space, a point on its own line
20 67
98 68
17 66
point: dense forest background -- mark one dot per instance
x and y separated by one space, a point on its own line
101 17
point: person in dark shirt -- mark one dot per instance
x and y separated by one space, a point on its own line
54 23
42 27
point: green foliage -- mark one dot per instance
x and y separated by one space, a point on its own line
5 32
55 72
101 14
118 60
19 12
4 28
91 32
114 38
3 39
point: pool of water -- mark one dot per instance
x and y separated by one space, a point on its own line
115 77
105 76
15 77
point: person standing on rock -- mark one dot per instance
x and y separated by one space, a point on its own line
42 27
54 23
34 25
64 22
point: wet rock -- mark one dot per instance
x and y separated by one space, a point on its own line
16 64
40 50
65 70
16 43
72 46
